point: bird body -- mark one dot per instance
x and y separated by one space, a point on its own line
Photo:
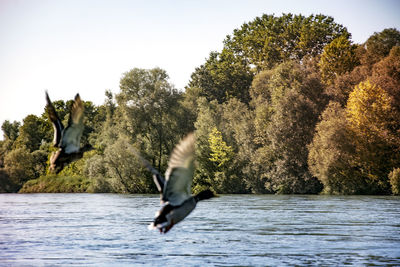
67 140
175 188
170 215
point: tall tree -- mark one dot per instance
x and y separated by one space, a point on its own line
375 49
223 76
269 40
31 133
10 134
260 45
370 115
10 130
208 117
337 58
386 74
238 127
150 107
20 165
379 45
290 99
332 154
220 154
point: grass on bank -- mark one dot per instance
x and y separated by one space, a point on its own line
59 184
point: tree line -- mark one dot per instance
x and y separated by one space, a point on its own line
290 105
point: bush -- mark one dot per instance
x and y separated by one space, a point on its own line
59 184
6 184
394 178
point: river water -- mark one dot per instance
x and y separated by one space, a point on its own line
231 230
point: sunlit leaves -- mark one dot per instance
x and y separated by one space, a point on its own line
394 178
221 153
259 45
368 109
370 113
269 40
337 58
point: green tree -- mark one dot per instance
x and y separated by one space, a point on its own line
222 77
107 131
288 101
379 45
125 171
291 129
104 137
150 107
221 153
238 127
10 130
6 185
10 134
226 178
220 162
269 40
208 118
337 58
259 45
94 117
31 133
332 154
20 166
394 178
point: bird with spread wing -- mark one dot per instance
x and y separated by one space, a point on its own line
67 140
175 188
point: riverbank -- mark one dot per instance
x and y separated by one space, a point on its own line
59 184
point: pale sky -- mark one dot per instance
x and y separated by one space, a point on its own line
85 46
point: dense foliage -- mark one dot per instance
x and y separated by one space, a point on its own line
290 105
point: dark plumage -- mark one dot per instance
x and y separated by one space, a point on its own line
175 188
66 139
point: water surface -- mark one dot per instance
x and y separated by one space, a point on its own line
232 230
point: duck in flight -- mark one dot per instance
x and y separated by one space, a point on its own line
175 188
67 140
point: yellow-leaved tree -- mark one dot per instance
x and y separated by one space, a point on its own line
370 116
221 153
369 109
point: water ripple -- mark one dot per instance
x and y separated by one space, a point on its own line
232 230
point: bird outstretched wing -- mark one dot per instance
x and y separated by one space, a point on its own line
157 177
72 134
55 120
179 174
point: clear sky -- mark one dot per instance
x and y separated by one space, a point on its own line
85 46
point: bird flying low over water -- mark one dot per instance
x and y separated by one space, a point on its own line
66 139
175 188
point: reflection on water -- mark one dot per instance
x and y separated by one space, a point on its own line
247 230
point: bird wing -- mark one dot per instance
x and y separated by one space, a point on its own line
179 174
72 134
55 120
157 177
